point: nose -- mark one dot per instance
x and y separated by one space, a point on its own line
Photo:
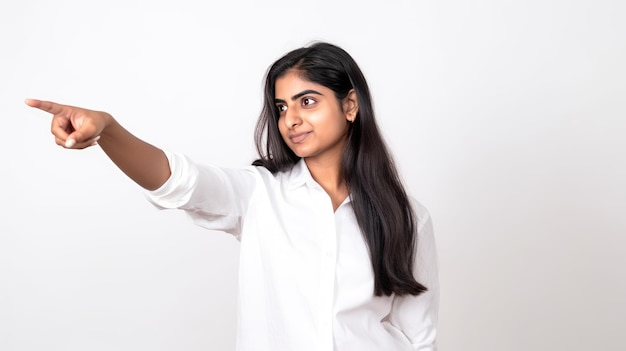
292 118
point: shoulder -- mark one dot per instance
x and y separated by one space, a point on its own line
267 175
294 175
422 213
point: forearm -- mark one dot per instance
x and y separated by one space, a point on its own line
144 163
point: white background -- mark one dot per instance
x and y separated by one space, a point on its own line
506 118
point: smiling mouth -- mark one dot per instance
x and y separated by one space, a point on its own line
299 137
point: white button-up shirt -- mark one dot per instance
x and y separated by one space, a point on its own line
305 277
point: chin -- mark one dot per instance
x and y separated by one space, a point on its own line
300 153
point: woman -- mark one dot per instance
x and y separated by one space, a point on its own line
334 254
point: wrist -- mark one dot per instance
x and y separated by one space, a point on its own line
109 125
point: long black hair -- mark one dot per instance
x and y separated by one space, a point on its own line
380 202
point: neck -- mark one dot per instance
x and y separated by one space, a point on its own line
327 173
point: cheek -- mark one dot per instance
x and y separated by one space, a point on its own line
281 128
332 125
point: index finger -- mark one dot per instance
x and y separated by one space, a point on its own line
48 106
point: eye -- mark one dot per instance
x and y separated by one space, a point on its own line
308 101
281 108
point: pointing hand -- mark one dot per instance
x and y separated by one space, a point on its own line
73 127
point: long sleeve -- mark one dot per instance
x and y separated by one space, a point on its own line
215 198
416 317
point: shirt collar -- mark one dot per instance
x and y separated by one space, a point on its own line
300 175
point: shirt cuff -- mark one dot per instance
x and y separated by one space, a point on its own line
178 188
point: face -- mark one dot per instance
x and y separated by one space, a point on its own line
312 122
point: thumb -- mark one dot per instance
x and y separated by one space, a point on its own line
86 135
77 139
72 139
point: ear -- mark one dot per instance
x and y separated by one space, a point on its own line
350 106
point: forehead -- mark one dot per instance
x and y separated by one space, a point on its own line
292 83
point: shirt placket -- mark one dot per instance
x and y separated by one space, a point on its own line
327 276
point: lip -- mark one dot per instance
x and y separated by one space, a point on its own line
297 138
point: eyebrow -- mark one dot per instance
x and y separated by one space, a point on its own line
299 95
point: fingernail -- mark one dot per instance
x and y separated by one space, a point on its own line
70 142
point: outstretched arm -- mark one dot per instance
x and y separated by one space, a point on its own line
78 128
